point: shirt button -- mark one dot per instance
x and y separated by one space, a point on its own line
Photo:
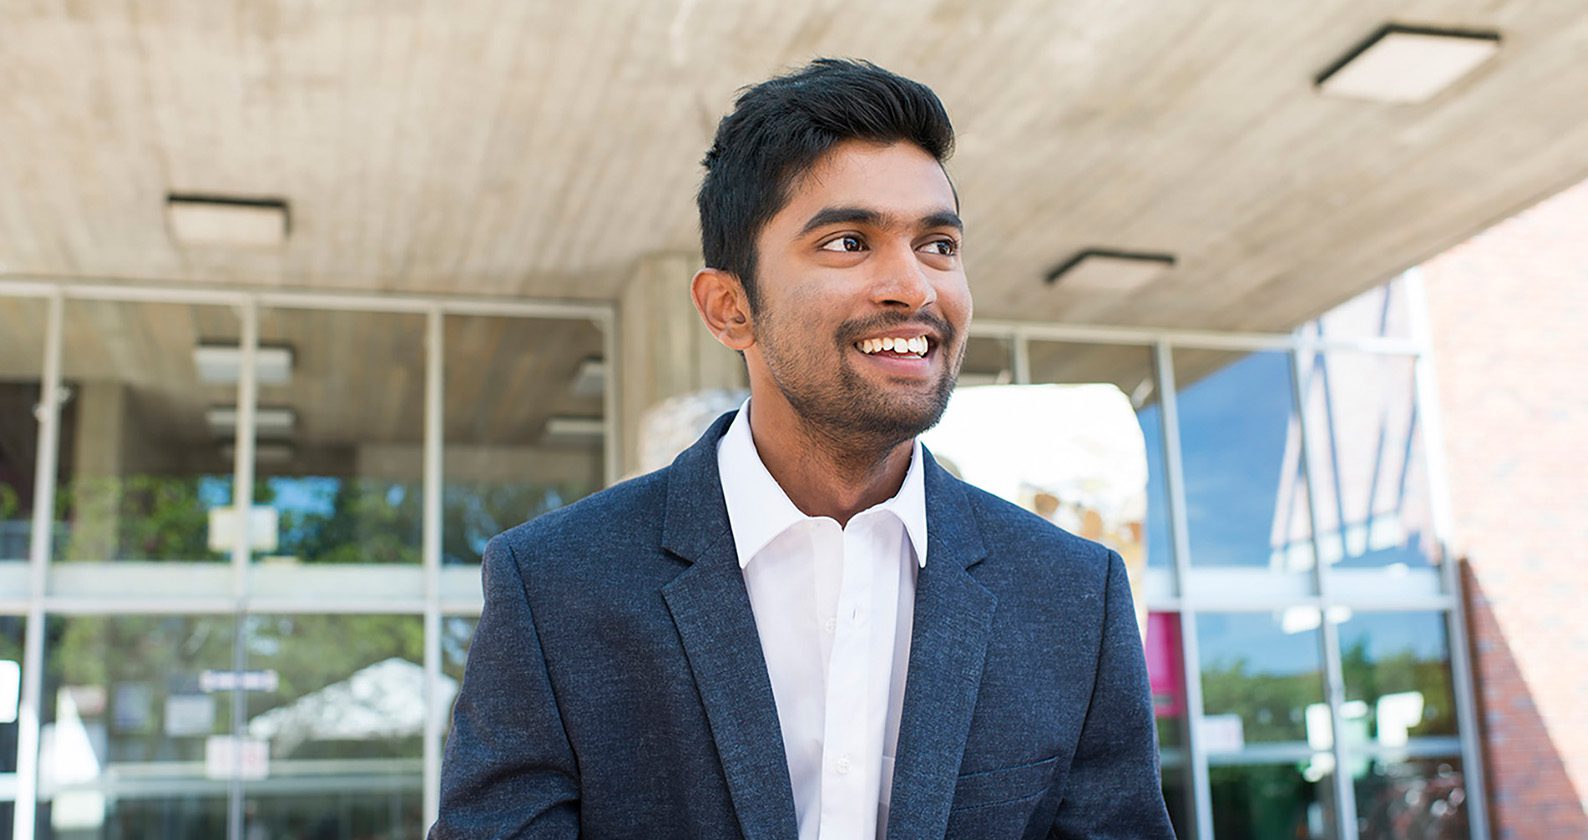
832 625
843 765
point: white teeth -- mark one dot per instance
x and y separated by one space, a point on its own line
917 345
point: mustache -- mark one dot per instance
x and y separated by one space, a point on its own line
852 331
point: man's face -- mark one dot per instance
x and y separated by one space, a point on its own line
865 253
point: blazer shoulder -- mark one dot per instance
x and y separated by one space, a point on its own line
623 515
1012 531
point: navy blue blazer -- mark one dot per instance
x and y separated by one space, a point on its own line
616 688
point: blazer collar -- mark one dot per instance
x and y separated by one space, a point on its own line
711 610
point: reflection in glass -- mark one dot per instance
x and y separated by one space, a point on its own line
12 628
1245 484
146 467
1166 675
339 440
1262 679
393 814
132 707
22 324
457 633
1130 369
1365 440
988 361
523 430
1267 801
339 711
1397 678
1423 798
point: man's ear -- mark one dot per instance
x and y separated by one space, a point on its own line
722 304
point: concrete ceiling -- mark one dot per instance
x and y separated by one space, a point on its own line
518 148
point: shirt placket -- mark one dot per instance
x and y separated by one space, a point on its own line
848 779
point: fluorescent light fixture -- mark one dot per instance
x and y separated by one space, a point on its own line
221 364
268 422
226 220
1406 64
582 430
591 378
1107 270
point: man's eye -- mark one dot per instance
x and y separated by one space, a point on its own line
845 243
945 247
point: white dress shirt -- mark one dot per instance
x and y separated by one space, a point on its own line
833 607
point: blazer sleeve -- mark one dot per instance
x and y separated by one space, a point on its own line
509 770
1114 789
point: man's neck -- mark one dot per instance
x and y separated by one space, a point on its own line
819 475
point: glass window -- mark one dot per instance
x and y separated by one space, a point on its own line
133 708
12 628
337 722
1422 797
1397 678
1166 674
339 441
1365 440
1245 484
988 361
1130 369
524 424
145 446
1265 801
22 326
1262 679
457 633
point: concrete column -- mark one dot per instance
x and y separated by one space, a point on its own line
665 350
98 469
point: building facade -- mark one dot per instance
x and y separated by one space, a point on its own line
182 673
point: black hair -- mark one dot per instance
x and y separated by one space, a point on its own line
781 127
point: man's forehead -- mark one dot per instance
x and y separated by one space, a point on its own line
898 183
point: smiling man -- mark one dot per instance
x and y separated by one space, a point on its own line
805 628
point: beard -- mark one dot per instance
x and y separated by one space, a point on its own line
840 406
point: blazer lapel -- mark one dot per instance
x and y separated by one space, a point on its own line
953 617
711 609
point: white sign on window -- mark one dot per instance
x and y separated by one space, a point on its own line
248 757
262 526
1223 733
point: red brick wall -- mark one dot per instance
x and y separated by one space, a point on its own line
1509 320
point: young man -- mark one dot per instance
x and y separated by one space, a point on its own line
805 628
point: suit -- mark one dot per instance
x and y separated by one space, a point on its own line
616 687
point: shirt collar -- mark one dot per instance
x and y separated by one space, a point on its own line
759 510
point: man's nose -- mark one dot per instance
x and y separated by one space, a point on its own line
902 280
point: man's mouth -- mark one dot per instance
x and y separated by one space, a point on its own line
902 347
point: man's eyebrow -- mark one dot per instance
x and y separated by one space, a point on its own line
861 215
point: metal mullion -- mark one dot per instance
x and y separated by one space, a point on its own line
243 506
41 545
1190 664
431 557
1334 677
1020 358
1425 385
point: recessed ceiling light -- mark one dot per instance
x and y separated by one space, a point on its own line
220 364
591 378
268 422
226 220
1104 270
1404 64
